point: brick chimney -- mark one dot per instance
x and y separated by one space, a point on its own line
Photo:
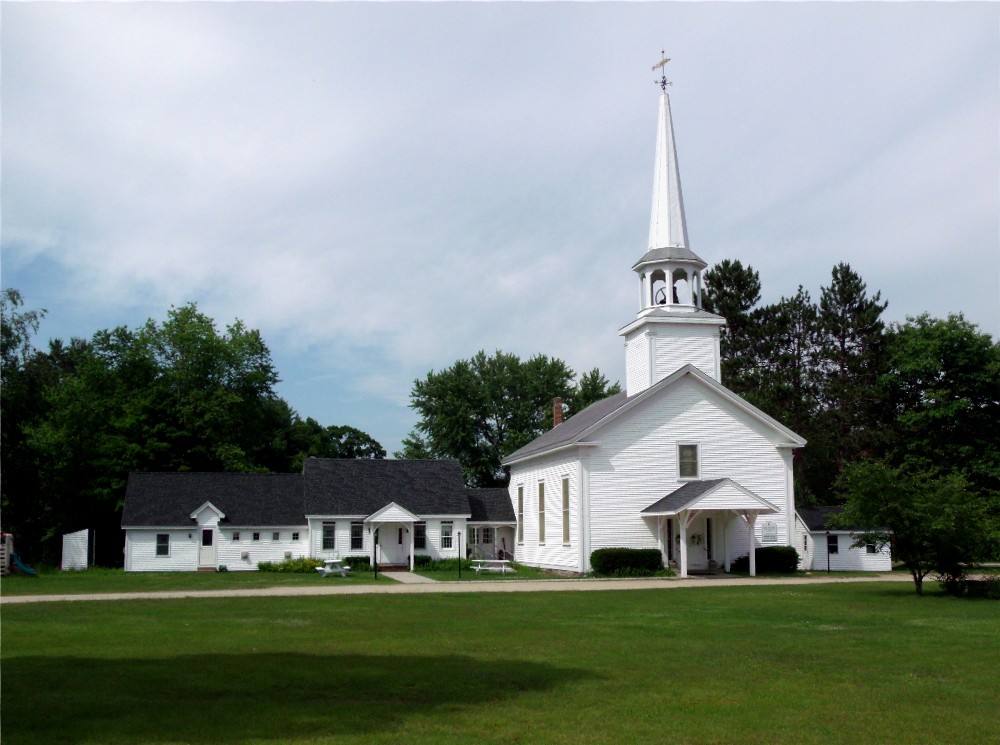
557 411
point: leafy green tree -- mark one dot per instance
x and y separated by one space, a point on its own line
480 410
309 439
943 386
174 396
935 523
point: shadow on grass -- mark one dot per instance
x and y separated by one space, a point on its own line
233 698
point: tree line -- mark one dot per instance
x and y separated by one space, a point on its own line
181 395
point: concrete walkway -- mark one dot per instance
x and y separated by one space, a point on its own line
430 586
409 578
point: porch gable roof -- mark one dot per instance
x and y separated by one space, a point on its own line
392 513
712 494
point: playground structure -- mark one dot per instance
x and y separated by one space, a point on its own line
10 561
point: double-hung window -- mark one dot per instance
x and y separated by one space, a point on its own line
329 536
541 512
446 534
420 535
163 544
487 536
565 510
833 544
687 461
520 514
357 536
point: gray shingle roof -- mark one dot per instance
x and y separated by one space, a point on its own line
683 495
362 487
816 518
168 499
491 506
566 433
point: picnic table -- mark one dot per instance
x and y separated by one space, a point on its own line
334 566
492 565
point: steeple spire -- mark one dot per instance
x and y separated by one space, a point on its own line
667 226
671 329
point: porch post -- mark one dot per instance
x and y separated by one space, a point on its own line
725 542
751 521
659 536
413 543
684 542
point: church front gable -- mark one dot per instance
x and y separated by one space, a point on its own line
686 432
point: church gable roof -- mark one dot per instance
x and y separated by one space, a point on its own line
575 429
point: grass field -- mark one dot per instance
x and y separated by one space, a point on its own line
864 663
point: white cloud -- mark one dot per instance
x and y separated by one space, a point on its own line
384 188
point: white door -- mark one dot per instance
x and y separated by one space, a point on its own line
394 544
699 543
207 554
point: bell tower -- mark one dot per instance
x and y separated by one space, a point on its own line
671 329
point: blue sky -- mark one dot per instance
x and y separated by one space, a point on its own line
385 188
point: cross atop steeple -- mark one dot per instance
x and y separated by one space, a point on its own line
662 66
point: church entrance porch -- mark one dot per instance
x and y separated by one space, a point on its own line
692 524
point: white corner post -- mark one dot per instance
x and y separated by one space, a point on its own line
682 518
413 543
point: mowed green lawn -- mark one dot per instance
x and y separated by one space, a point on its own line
852 663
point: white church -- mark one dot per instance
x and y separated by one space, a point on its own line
676 461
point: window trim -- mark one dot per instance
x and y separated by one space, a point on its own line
449 535
697 461
541 513
332 526
520 514
565 511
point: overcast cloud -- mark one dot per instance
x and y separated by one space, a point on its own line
385 188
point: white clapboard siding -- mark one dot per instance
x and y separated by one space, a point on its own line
637 364
230 552
75 547
140 550
676 346
554 553
848 558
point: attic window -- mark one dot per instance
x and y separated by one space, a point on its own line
687 461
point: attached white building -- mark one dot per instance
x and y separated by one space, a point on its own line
677 461
822 547
333 509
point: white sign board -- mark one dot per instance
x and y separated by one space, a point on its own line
769 532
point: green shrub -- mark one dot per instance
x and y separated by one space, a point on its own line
770 560
637 572
981 588
608 561
422 561
358 562
300 565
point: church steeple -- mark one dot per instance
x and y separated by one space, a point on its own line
667 226
671 329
